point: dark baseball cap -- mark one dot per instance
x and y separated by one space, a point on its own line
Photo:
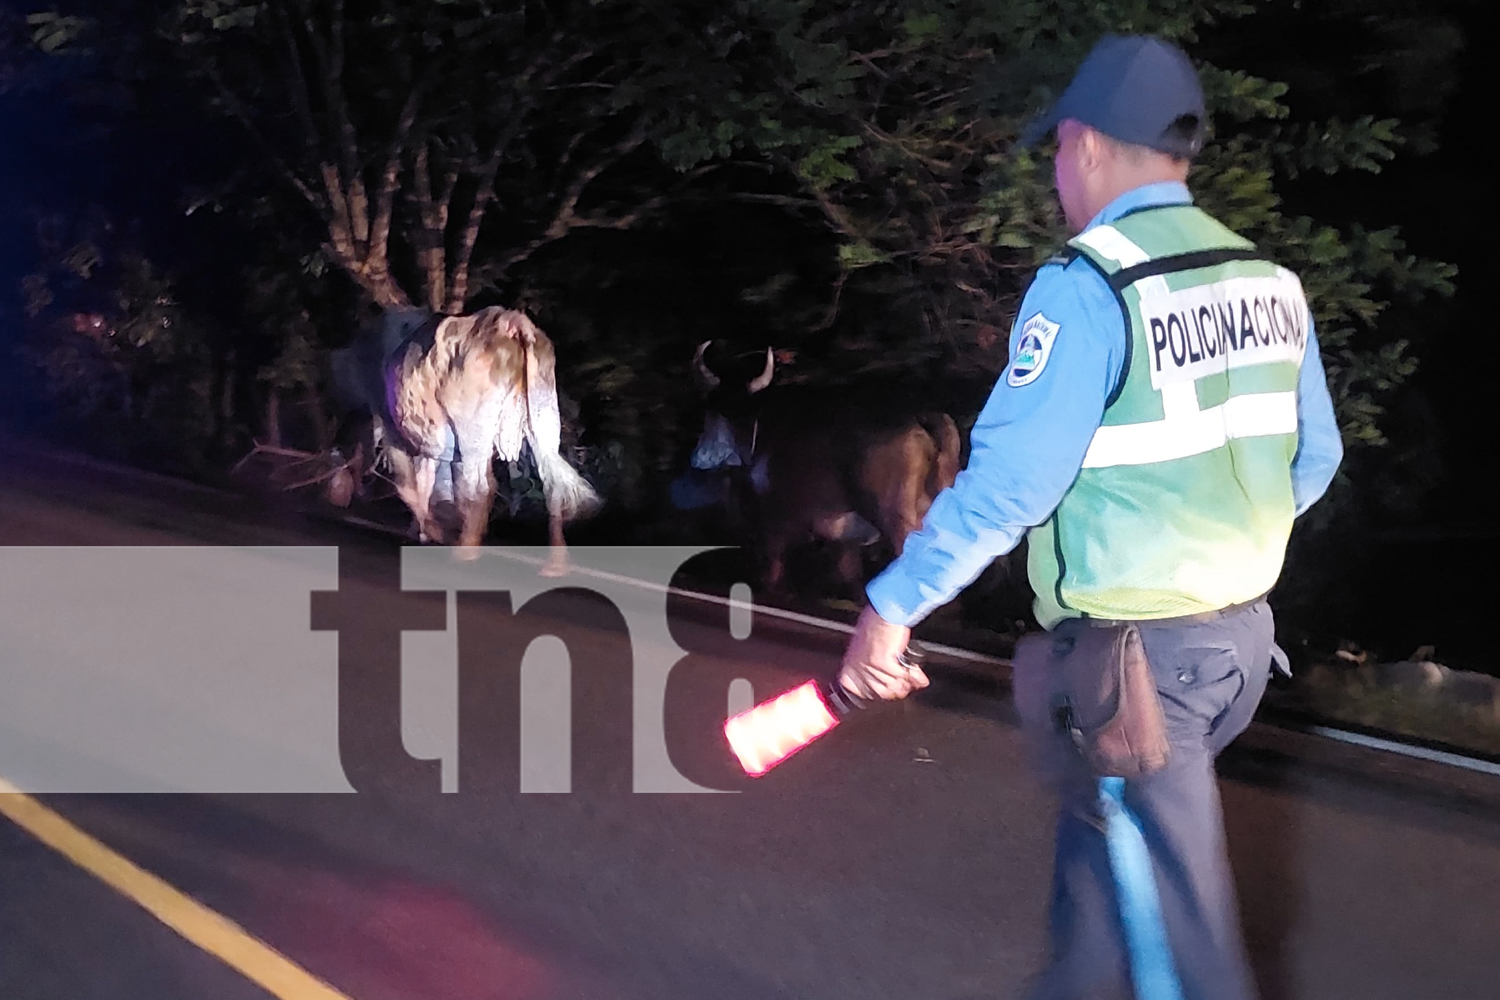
1137 89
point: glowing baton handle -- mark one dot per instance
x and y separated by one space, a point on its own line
764 736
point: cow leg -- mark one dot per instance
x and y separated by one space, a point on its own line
476 497
776 571
563 490
444 505
557 549
901 521
404 481
351 441
474 485
442 496
426 470
851 566
905 503
359 465
413 476
777 539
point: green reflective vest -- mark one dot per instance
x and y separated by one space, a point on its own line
1184 502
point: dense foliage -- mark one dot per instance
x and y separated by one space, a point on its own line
837 178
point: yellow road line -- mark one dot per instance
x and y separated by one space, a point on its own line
210 931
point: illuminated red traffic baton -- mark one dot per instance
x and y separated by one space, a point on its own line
764 736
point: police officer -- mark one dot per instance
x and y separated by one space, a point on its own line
1163 419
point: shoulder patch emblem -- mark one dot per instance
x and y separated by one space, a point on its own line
1032 351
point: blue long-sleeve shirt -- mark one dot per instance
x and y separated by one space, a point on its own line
1028 443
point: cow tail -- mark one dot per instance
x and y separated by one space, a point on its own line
945 433
568 494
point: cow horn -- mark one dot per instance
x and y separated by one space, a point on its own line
708 377
764 378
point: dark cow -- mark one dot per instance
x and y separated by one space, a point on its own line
851 466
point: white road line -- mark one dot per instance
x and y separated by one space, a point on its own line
795 616
1407 750
1369 742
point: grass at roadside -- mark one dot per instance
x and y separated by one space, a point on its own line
1347 696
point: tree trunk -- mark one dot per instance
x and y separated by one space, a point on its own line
218 399
385 291
435 267
459 271
273 418
230 415
313 401
430 240
376 282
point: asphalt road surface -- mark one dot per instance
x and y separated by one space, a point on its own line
906 856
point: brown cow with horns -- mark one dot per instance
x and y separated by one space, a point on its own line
851 465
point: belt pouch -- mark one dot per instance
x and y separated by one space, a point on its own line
1087 693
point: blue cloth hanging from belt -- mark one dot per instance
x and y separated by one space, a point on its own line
1151 965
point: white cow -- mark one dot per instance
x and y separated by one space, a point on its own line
450 393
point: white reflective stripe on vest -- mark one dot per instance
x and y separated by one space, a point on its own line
1115 245
1110 242
1186 432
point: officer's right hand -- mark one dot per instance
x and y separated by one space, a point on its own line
873 667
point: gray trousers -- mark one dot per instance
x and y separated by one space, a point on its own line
1106 942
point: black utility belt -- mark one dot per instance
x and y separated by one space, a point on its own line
1197 619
